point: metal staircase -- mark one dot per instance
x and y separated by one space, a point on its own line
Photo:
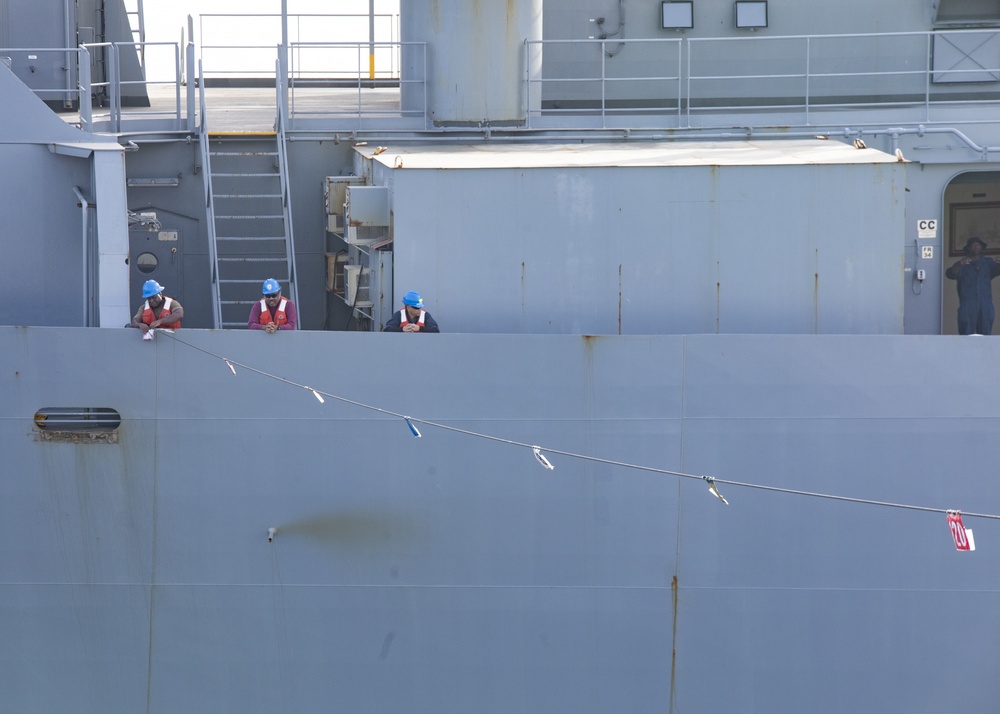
251 234
137 24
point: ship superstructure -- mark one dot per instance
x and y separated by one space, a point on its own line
690 254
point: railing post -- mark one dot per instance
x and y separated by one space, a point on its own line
927 77
808 75
86 110
192 76
527 84
690 52
371 41
604 79
114 87
281 79
68 42
680 80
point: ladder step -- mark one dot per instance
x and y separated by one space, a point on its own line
252 260
223 135
243 153
251 280
252 170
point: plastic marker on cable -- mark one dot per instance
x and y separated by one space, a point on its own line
230 365
540 457
963 536
714 489
413 429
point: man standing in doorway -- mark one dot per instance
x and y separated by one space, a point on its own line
974 274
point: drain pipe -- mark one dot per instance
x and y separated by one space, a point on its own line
69 41
84 207
921 130
488 133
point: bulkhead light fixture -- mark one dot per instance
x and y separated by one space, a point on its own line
678 14
751 14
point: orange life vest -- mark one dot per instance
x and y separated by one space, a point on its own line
279 318
404 318
148 317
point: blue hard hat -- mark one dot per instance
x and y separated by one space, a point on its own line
270 287
151 288
413 299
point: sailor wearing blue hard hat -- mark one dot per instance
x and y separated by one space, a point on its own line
157 310
974 275
272 312
412 318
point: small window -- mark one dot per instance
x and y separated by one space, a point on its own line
78 424
146 262
967 12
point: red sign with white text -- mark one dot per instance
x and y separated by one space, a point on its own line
962 537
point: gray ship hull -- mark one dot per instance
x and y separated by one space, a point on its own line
257 529
453 572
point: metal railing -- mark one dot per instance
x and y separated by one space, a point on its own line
243 63
360 94
286 198
804 81
698 82
51 87
206 170
112 114
103 105
595 83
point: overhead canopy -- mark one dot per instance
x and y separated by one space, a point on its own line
774 152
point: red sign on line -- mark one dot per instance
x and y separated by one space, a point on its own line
962 535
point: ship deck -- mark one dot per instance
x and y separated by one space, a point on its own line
246 109
378 110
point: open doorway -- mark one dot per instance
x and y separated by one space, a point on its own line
971 209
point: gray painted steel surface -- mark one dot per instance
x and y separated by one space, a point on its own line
685 237
452 573
478 56
43 23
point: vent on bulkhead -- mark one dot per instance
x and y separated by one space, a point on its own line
78 424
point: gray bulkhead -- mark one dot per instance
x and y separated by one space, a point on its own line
449 573
66 218
38 33
453 573
477 58
313 158
653 238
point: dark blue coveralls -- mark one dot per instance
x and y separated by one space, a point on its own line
975 295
